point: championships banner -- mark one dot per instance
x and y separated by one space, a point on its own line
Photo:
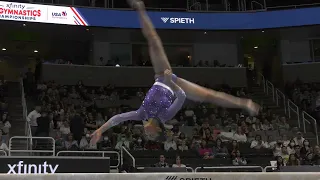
162 20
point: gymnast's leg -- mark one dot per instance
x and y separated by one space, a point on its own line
158 56
115 120
201 94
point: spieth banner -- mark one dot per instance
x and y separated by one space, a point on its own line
52 165
162 20
40 13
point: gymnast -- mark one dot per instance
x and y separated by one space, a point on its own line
158 105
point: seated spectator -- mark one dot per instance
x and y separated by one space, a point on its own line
257 126
271 142
244 127
234 146
124 141
6 125
280 162
59 141
178 163
291 147
183 146
305 149
196 142
207 135
297 149
106 143
293 161
316 152
204 151
3 145
284 154
170 144
65 128
138 144
299 139
277 149
162 163
285 140
309 160
70 143
85 143
238 160
283 125
152 145
266 126
181 137
258 143
216 131
240 136
251 120
99 120
220 148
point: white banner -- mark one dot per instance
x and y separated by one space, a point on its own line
40 13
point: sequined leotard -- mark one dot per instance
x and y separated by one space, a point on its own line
160 103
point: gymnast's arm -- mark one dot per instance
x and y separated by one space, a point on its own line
119 118
178 102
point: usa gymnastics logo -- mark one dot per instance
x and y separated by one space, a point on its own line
174 20
60 15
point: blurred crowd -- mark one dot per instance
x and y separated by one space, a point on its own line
5 124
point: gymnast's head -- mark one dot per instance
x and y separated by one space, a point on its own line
153 129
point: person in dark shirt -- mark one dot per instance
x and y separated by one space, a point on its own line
43 125
77 126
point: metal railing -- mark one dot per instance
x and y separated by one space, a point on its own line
44 145
313 123
280 96
3 153
230 167
25 114
295 109
293 6
129 154
90 153
269 167
270 89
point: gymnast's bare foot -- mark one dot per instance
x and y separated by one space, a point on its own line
136 4
252 107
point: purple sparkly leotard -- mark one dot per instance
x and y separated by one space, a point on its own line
160 103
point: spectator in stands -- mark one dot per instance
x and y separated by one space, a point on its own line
251 120
220 149
309 160
77 126
3 145
277 149
267 126
258 143
85 143
284 154
257 126
162 163
183 146
105 144
305 149
234 147
138 144
65 128
32 119
282 124
152 145
5 123
280 162
238 160
293 161
291 147
44 124
59 141
170 144
299 139
99 120
71 143
204 151
285 140
271 142
316 157
123 141
181 137
297 152
240 136
178 163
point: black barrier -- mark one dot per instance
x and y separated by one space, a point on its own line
300 169
51 165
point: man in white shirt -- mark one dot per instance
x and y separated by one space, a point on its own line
299 139
86 144
32 119
170 144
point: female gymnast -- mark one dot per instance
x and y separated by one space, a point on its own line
153 106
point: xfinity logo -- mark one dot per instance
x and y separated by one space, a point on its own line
177 20
21 168
178 178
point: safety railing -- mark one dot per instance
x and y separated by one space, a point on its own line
270 89
293 108
91 153
269 167
41 145
123 149
281 99
307 118
25 114
189 169
261 81
230 167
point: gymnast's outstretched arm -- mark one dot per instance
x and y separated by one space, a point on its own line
115 120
